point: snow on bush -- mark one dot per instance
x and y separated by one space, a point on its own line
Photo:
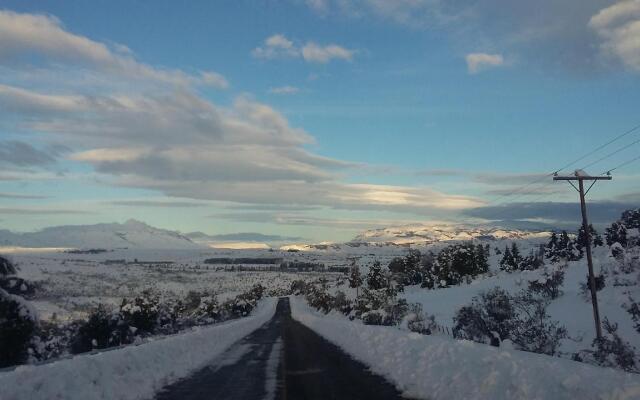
18 322
431 367
132 372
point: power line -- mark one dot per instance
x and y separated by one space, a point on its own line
602 146
611 154
622 165
541 178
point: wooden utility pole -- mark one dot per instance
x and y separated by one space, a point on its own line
581 176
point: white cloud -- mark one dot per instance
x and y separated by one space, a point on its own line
312 52
278 46
284 90
619 28
477 62
170 139
22 35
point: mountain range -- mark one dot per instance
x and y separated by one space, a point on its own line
136 234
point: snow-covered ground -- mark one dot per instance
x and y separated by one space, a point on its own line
431 367
572 309
132 372
70 285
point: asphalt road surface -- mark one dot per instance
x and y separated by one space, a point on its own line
282 360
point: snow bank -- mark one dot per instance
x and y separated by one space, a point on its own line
438 368
134 372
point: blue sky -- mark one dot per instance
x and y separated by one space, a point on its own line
312 119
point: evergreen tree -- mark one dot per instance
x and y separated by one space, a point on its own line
616 233
506 264
376 279
581 241
551 249
631 219
515 253
481 261
355 278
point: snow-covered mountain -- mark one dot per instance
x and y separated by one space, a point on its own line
420 235
131 234
427 234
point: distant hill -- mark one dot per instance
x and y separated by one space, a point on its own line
421 235
426 234
131 234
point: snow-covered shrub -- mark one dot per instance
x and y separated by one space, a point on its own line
101 330
562 248
489 317
208 311
318 297
298 287
6 267
17 325
585 287
626 260
548 285
512 260
496 316
532 329
634 309
242 304
612 351
376 278
380 307
417 321
141 312
52 340
341 303
581 240
17 286
407 270
454 264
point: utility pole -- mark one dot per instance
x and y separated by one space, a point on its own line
582 176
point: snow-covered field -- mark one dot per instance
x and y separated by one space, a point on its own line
69 285
132 372
431 367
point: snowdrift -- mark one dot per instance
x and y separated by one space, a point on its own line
430 367
133 372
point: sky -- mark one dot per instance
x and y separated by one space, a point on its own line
314 120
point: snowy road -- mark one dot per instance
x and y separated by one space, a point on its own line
282 360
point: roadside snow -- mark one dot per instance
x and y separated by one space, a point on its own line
438 368
134 372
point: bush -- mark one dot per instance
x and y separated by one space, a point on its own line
612 351
562 248
376 278
533 331
616 233
17 286
495 316
141 312
634 309
418 322
455 263
585 287
489 317
341 303
101 330
17 326
548 285
298 287
6 267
